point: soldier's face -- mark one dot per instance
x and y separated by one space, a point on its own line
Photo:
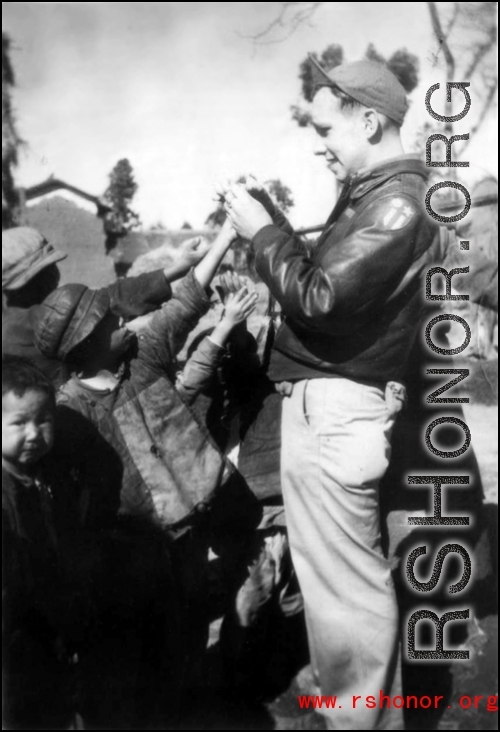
340 134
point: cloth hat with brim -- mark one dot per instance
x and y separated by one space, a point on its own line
66 318
369 83
25 252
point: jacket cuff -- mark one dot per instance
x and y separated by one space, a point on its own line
215 346
133 296
159 285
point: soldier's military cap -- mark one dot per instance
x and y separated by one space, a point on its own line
369 83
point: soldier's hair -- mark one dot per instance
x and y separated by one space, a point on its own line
20 375
349 104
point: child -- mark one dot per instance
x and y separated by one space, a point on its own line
136 444
35 663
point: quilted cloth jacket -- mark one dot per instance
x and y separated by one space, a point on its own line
142 452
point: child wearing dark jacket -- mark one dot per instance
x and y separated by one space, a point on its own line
37 660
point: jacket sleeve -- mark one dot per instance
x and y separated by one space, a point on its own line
281 221
133 296
165 336
199 370
342 286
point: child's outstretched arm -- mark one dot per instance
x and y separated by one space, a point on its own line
201 366
205 270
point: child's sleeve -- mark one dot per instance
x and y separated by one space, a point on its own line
165 336
199 370
130 297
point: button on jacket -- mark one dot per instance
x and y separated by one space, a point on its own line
352 306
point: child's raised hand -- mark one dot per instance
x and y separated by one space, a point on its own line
192 251
228 282
239 305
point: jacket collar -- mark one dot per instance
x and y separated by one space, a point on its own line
369 178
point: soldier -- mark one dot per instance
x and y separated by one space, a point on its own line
352 310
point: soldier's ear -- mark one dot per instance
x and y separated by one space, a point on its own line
372 125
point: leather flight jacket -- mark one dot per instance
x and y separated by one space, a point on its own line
353 304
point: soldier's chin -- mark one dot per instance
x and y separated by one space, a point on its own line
338 171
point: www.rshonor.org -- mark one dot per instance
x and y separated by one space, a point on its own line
489 703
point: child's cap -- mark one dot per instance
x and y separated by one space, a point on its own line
25 252
66 317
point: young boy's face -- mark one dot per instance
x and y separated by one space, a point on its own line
27 427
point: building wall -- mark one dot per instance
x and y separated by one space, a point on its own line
67 226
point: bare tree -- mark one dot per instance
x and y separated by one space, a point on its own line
290 17
11 140
466 36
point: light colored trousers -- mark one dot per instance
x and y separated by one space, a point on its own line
335 449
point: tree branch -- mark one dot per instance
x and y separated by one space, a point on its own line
300 17
482 115
442 40
481 52
456 12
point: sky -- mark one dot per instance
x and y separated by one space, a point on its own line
182 91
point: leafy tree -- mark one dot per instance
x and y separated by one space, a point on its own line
281 194
186 225
118 196
405 66
332 56
10 138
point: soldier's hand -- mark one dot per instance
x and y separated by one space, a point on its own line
257 191
246 214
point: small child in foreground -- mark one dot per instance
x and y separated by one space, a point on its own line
36 667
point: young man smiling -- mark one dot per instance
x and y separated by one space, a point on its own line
352 309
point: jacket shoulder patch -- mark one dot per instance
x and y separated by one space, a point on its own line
396 215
